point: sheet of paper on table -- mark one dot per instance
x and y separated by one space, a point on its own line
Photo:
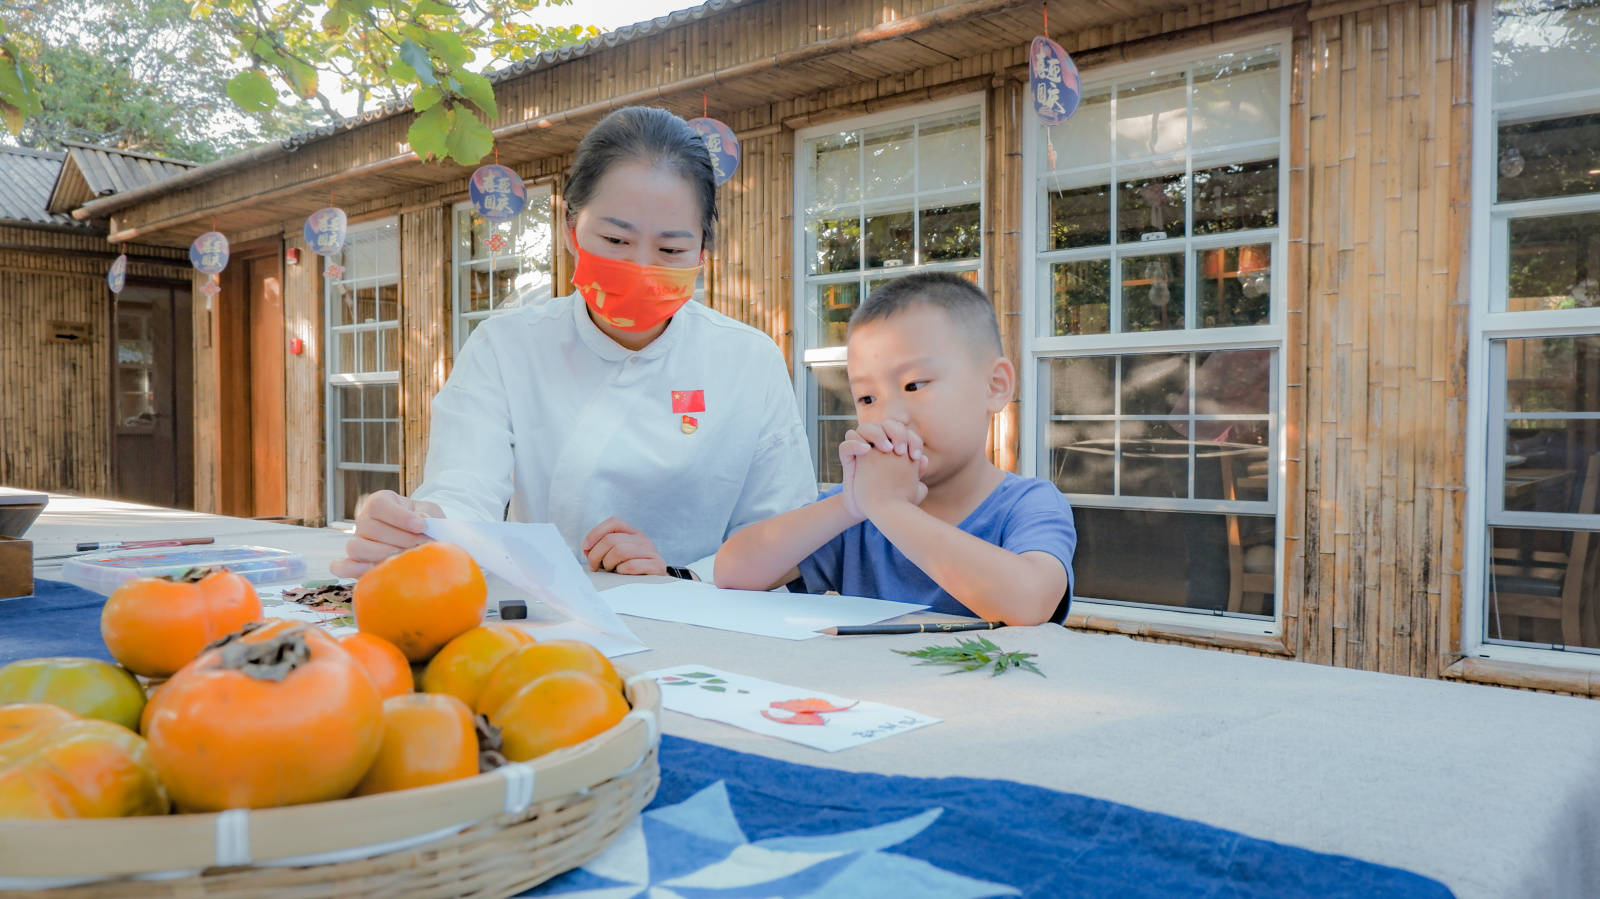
273 605
819 720
609 646
533 558
790 616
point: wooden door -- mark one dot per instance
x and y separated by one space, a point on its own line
151 416
269 497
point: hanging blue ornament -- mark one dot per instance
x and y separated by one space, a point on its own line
1053 81
117 277
721 143
497 193
325 230
209 252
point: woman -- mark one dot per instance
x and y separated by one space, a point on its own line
646 427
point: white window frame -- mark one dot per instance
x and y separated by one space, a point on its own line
460 316
1485 362
807 331
334 380
1036 310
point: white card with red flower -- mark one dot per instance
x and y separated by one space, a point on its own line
819 720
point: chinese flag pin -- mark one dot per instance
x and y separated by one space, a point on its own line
690 424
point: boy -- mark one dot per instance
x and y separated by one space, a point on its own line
923 515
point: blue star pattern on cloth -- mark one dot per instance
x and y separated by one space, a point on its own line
729 824
696 848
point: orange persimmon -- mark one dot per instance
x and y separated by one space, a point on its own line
54 764
154 626
528 664
382 660
91 688
559 709
263 721
462 667
420 599
428 738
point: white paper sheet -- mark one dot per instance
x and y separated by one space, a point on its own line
534 558
790 616
609 646
819 720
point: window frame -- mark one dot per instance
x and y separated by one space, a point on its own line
1488 326
1038 345
459 316
333 445
805 354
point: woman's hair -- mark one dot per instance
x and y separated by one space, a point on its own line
654 136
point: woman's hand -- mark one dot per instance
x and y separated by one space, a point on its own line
385 524
615 545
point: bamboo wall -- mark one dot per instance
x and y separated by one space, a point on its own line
304 420
1382 190
55 408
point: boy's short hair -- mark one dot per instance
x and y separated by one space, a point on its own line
969 308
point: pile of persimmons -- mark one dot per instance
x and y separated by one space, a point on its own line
246 712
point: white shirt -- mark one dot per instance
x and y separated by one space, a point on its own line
545 412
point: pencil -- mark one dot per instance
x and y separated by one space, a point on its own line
935 627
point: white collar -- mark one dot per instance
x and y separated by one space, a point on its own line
603 346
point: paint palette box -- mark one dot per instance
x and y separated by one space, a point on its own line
103 572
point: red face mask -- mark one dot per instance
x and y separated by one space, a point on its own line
630 296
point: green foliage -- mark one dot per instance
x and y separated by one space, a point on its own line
158 75
974 655
434 52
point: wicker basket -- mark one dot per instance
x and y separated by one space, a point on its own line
491 835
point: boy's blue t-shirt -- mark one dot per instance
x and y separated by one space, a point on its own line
1021 515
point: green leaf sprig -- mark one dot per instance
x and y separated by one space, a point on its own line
973 655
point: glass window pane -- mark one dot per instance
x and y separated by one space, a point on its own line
890 159
388 302
356 486
1536 578
833 392
1079 217
1235 197
948 152
345 301
1082 296
350 442
836 245
1084 139
1552 374
1082 385
834 172
367 304
1543 48
1235 286
1152 207
505 279
367 342
390 354
1154 459
1185 560
1155 384
1152 292
951 232
1152 118
1231 460
373 442
391 453
346 360
391 400
1236 99
830 433
1549 158
1082 456
889 239
1232 382
835 303
1554 262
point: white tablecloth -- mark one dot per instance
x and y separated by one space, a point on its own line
1494 792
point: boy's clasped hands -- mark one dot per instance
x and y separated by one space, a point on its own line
882 464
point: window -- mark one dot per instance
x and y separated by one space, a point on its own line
517 274
1538 329
136 362
1152 390
364 434
882 197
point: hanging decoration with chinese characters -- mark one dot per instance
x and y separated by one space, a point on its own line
497 193
325 230
117 277
209 252
1054 85
721 143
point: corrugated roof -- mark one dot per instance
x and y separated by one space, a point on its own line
609 39
91 171
25 185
